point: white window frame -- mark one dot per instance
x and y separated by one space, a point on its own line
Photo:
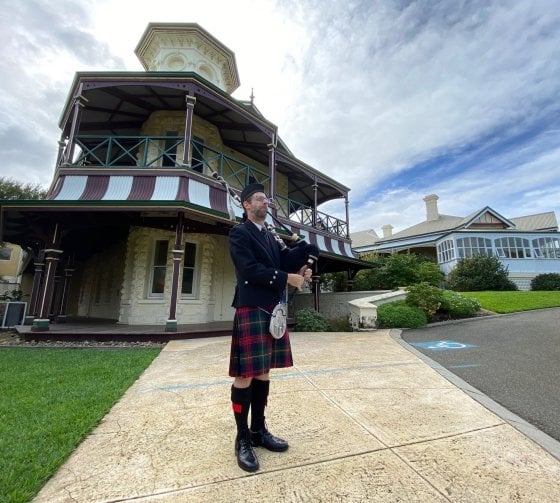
514 247
446 251
546 247
474 246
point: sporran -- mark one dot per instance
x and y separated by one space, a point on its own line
278 321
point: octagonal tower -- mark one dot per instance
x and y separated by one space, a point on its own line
186 47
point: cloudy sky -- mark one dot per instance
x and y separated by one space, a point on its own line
397 99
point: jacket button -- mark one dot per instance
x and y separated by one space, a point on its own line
246 282
271 282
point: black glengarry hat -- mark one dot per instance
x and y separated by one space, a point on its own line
248 191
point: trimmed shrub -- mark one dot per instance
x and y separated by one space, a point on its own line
425 296
550 281
371 279
401 269
478 274
309 320
429 272
398 269
457 305
399 314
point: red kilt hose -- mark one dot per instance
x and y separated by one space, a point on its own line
253 350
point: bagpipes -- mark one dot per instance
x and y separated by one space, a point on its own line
233 198
278 317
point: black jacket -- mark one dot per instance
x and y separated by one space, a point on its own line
261 266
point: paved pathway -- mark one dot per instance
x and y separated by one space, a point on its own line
366 418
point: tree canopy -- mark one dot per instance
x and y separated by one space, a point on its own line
12 189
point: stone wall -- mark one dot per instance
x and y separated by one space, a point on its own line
214 281
332 305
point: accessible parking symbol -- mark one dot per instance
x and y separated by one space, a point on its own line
442 345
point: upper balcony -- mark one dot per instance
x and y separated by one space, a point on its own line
166 152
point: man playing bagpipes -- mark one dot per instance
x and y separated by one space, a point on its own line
264 267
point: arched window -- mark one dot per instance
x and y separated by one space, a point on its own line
513 247
473 246
546 247
445 251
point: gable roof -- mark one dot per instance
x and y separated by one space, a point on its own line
485 218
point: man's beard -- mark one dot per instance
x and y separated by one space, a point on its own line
260 213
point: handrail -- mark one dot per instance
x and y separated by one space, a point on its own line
167 151
162 151
303 214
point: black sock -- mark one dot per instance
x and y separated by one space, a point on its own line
259 400
240 403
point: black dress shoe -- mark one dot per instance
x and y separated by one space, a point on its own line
263 438
246 457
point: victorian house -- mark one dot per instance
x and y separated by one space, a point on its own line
527 246
135 224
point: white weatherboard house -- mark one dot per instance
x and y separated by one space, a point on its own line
135 226
527 246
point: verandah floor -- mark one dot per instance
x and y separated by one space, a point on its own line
100 330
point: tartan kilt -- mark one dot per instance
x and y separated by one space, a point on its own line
253 350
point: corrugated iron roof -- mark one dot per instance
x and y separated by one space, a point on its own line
447 223
537 222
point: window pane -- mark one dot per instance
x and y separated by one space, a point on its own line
159 267
188 280
158 281
160 254
190 254
189 269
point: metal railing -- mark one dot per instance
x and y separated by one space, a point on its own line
162 151
303 214
167 152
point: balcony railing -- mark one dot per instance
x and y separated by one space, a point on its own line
167 152
163 151
303 214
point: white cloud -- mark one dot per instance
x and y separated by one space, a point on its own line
364 90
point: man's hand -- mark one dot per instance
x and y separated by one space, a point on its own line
296 280
306 273
300 278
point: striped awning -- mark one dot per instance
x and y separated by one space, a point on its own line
139 188
172 188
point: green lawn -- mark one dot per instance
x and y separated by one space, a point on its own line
511 302
50 399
